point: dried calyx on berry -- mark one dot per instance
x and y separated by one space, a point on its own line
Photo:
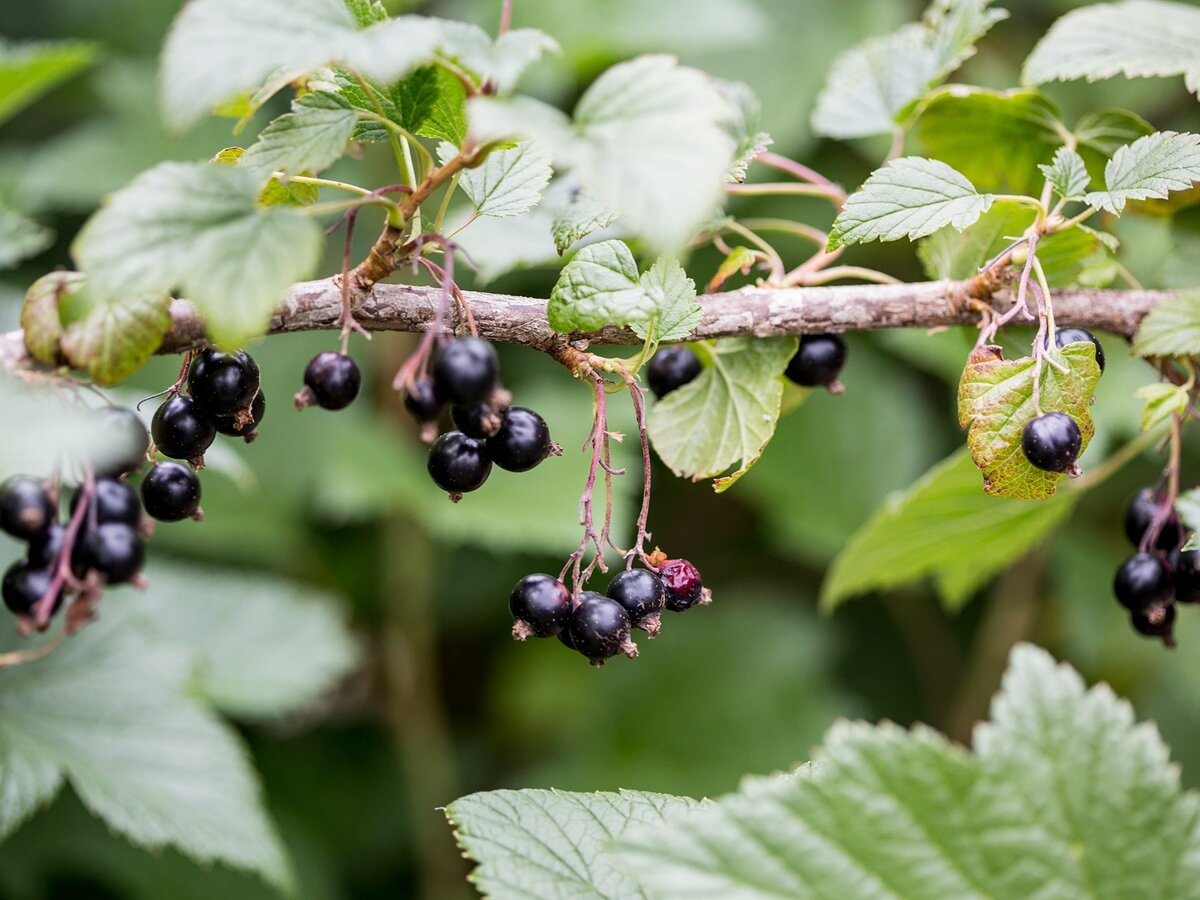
818 362
331 381
640 593
599 629
1143 585
540 607
671 368
458 464
682 584
480 421
183 429
244 423
1051 442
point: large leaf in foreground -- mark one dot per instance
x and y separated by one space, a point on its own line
1149 169
1171 328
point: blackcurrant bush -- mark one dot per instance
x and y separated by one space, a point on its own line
422 401
26 510
458 464
224 383
640 593
600 628
1185 570
682 584
44 550
171 492
114 551
331 381
1156 621
540 607
24 585
1051 442
1142 580
113 501
671 368
479 421
522 442
126 442
1065 336
182 428
237 425
1139 515
818 360
466 371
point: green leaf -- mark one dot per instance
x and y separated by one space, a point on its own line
995 400
1162 402
508 182
1100 134
1135 38
599 286
580 217
910 198
1172 328
20 237
1187 505
1064 796
1068 174
366 12
674 296
198 228
939 528
948 254
745 128
996 139
551 843
872 86
727 414
1149 168
431 103
500 62
29 70
40 319
312 137
116 339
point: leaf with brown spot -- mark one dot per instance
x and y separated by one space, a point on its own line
116 339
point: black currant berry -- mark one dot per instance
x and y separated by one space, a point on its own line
1051 442
465 372
540 607
1139 515
479 421
422 401
458 464
522 442
183 428
24 585
331 381
818 360
224 383
1185 571
1065 336
114 551
671 368
1142 580
44 550
26 510
600 628
682 584
1156 621
641 595
237 425
126 442
113 501
171 492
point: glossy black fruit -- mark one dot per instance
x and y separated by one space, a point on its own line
1157 621
126 441
26 510
818 360
114 551
479 421
422 401
44 550
1140 514
113 501
1142 580
641 595
1051 442
522 442
229 424
24 585
331 381
682 584
671 368
223 382
458 464
171 492
540 606
1065 336
599 628
465 372
1185 571
183 428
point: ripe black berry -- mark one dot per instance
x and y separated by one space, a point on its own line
1185 570
44 550
1051 442
1156 621
465 372
422 401
458 464
1139 515
114 551
818 360
479 421
522 442
236 425
640 593
126 442
1065 336
671 368
24 585
682 584
26 509
223 382
540 606
171 492
1142 580
182 428
113 501
600 628
331 381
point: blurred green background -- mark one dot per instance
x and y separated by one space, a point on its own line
445 703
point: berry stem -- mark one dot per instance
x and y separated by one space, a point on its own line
17 657
638 396
505 17
1166 505
803 173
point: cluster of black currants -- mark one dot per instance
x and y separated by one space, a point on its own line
223 396
465 375
817 363
599 626
1151 581
1052 441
